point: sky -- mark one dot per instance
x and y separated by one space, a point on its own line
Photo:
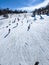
19 3
37 6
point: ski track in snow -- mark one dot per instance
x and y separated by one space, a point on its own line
27 42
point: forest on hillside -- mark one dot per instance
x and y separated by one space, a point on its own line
42 10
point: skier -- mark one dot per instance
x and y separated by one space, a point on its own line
7 33
16 25
41 17
18 19
36 63
28 27
9 30
14 21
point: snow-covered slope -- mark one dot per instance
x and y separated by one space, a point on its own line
23 40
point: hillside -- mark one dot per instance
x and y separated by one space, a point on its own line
24 40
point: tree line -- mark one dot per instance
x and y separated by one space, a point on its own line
8 11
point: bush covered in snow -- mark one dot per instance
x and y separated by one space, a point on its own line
5 15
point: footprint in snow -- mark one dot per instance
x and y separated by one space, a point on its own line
26 44
19 63
9 24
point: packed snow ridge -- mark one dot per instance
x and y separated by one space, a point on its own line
24 40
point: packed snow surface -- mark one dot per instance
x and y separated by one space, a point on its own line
24 40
